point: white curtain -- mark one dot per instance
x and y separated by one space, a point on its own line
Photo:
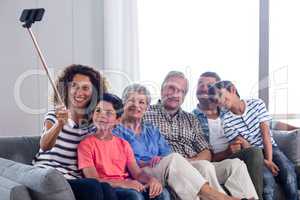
121 63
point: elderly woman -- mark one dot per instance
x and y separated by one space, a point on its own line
154 155
64 127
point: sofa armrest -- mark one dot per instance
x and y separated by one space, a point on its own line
289 143
11 190
42 184
19 149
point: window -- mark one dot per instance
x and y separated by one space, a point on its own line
194 36
284 60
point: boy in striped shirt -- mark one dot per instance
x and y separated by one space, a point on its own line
247 121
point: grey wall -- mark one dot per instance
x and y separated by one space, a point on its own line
71 32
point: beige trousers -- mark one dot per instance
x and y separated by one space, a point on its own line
232 173
175 171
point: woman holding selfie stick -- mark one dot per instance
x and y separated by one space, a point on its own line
64 127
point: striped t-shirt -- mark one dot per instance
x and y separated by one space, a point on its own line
63 155
247 125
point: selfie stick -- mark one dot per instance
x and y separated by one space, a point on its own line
29 16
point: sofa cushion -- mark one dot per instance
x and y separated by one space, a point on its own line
19 149
289 143
11 190
42 184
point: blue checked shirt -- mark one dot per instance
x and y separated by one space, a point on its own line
201 116
203 122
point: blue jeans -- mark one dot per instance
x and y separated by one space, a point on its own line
91 189
286 177
131 194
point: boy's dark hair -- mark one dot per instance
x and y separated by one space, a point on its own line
211 74
212 90
116 102
212 94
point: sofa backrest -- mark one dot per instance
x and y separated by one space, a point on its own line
19 149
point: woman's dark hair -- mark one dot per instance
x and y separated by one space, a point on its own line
212 90
116 102
66 77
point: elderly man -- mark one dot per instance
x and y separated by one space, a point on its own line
208 114
183 132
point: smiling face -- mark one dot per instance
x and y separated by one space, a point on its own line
202 88
105 117
80 91
135 106
173 93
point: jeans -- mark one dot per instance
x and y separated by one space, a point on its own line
286 177
254 160
91 189
131 194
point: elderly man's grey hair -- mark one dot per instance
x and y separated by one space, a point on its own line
140 89
172 74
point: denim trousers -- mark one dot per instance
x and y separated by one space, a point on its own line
286 177
91 189
131 194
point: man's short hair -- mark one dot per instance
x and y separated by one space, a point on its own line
211 74
172 74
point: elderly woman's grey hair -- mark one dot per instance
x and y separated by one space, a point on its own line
179 74
138 88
